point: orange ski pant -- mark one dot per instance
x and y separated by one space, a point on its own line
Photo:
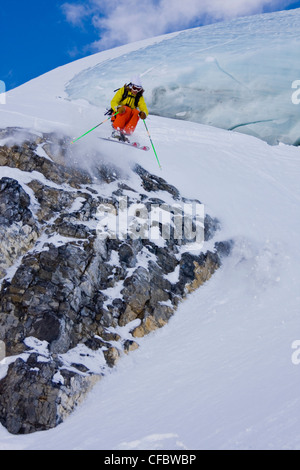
126 122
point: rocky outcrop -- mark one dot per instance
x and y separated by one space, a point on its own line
18 228
79 286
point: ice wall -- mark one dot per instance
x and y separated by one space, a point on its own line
236 75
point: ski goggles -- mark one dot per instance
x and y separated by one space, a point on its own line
136 88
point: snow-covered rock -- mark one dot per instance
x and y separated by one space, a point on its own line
72 284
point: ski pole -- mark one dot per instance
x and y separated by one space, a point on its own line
75 140
152 145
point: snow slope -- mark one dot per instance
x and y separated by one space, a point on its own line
236 75
222 374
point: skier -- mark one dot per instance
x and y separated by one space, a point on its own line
131 106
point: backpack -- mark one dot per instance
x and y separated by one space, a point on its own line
125 94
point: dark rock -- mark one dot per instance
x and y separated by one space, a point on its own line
47 328
14 203
127 255
31 400
18 228
211 226
155 183
72 291
224 248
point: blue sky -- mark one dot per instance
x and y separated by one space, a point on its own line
40 35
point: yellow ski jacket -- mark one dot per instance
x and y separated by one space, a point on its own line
128 101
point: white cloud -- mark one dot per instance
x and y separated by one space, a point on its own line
123 21
75 13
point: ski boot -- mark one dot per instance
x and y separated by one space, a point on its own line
119 135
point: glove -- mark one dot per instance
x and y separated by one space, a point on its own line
142 115
121 110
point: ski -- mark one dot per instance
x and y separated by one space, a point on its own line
130 144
